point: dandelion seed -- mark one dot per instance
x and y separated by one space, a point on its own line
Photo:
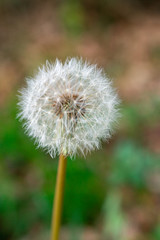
83 108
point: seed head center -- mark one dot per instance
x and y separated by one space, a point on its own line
71 104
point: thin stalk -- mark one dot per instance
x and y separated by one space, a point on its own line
58 200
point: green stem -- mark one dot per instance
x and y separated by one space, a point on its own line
57 209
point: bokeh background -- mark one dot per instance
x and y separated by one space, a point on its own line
115 192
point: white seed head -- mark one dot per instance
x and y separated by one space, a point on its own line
69 108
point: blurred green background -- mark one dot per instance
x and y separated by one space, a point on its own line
115 192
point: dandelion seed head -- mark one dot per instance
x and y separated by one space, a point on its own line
69 107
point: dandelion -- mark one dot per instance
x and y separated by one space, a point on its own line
68 109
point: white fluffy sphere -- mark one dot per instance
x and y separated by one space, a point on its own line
69 108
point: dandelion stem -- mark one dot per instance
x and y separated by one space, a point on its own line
58 200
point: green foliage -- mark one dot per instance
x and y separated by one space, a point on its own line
114 219
156 232
84 194
131 165
72 16
155 54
